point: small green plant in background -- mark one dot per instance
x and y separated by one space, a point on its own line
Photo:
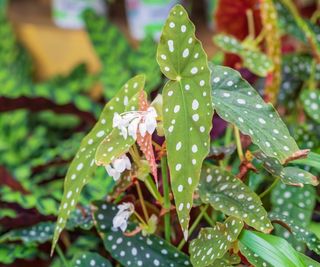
148 186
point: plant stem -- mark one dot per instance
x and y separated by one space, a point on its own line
270 187
139 218
61 256
153 189
238 142
166 192
194 225
208 218
250 20
144 209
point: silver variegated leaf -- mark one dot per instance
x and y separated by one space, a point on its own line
224 192
187 111
83 165
212 243
237 102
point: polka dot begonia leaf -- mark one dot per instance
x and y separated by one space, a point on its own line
187 108
221 152
289 175
9 253
136 250
83 165
226 193
226 261
299 233
296 204
273 47
237 102
257 62
88 259
114 145
252 257
39 233
212 243
81 218
311 103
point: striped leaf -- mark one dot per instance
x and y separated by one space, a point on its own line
187 110
212 243
83 165
230 195
238 103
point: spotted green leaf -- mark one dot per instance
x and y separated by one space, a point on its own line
237 102
311 103
289 175
300 233
85 259
226 261
212 243
296 204
252 257
39 233
187 110
83 165
136 250
80 217
114 145
252 58
11 252
230 195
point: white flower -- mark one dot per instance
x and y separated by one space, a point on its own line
118 166
130 122
121 218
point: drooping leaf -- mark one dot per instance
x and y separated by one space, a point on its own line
288 175
252 257
295 203
257 62
212 243
237 102
89 259
115 145
299 232
311 103
83 165
136 250
273 46
39 233
272 249
187 110
230 195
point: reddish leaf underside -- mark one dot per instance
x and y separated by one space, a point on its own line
145 143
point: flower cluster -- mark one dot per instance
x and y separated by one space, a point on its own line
118 166
121 219
130 122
